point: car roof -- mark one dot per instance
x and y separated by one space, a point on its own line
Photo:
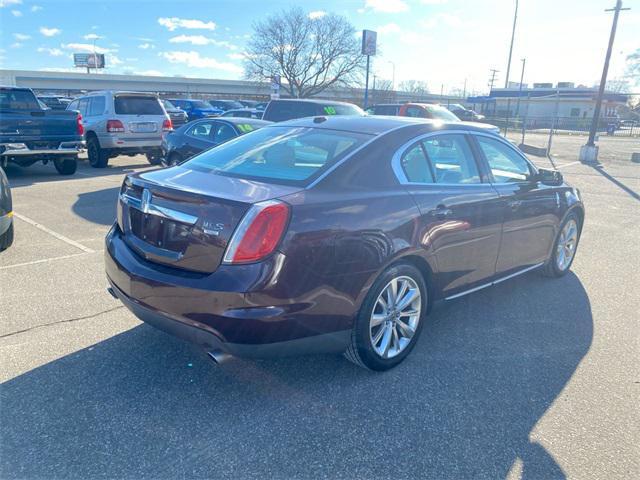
379 124
238 120
313 100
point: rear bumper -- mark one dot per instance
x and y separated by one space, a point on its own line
124 142
21 149
227 311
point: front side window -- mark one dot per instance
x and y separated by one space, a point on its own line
223 132
416 165
289 155
506 164
452 159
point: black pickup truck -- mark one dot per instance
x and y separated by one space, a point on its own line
30 134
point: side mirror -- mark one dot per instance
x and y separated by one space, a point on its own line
552 178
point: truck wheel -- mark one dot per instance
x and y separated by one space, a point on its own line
154 158
66 166
6 239
98 157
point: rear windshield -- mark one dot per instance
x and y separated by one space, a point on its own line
289 155
18 100
137 105
440 113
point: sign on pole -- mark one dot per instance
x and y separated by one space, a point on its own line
369 39
275 86
89 60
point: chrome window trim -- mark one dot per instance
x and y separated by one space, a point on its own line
396 164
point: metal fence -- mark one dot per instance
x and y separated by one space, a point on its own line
567 125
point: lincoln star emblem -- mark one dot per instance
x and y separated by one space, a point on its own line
146 200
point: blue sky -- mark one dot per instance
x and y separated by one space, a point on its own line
441 42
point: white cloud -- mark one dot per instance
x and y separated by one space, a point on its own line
146 46
317 14
433 2
173 23
193 59
237 56
92 36
113 60
36 8
85 47
16 45
21 36
442 19
202 40
6 3
387 6
16 13
389 28
49 32
54 52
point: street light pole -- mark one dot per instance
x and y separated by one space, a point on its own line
605 71
524 61
513 34
393 75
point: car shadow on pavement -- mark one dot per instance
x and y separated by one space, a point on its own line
97 206
464 404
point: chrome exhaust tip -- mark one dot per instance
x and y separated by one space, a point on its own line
219 356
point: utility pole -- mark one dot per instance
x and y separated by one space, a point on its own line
524 61
464 89
603 81
513 35
393 75
492 79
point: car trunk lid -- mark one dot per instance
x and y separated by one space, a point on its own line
185 218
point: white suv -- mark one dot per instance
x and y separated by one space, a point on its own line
122 123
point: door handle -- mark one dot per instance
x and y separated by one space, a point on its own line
514 204
441 212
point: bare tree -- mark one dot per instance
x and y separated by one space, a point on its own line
383 91
311 54
417 87
633 68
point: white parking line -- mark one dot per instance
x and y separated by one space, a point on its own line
44 260
52 233
569 164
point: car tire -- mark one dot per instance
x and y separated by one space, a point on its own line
173 159
6 239
154 159
66 166
98 157
564 248
379 329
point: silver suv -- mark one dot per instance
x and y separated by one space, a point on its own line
122 123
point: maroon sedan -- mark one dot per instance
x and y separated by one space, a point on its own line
334 234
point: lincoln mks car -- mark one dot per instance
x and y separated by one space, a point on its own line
334 234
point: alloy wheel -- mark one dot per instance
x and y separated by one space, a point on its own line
395 317
567 243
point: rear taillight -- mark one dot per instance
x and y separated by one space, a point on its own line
259 232
114 126
79 126
167 125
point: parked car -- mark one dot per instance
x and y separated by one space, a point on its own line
177 115
225 105
31 134
54 102
465 114
261 106
285 109
201 135
248 103
196 109
334 234
392 109
243 113
427 110
6 213
122 123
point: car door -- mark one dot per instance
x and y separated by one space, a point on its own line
198 137
530 209
460 212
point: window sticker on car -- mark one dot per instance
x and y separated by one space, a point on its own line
245 127
329 110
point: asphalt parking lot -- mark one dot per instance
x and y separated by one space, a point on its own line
533 378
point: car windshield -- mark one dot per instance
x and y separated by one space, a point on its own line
440 113
289 155
137 105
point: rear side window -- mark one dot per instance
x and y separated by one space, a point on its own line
452 159
415 165
385 110
289 155
201 130
223 132
96 107
415 112
137 105
83 103
18 100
